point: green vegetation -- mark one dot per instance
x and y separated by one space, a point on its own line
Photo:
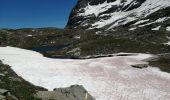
162 63
142 40
146 42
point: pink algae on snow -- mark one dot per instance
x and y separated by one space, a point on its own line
107 78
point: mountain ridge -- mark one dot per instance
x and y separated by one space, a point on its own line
110 14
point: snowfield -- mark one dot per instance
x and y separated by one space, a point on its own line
108 78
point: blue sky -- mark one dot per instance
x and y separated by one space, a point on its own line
35 13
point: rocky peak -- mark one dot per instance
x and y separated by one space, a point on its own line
110 14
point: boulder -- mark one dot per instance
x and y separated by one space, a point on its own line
3 91
75 92
140 66
2 97
6 95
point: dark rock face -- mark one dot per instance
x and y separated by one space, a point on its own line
74 92
110 14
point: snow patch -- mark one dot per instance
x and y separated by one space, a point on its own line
108 78
168 28
77 37
141 21
156 28
29 35
98 32
160 20
131 29
1 74
96 9
168 43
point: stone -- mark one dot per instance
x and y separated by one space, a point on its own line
140 66
2 97
75 92
3 91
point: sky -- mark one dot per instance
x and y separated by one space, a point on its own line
35 13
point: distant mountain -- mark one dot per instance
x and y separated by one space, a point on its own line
112 15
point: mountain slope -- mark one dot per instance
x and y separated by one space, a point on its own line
110 14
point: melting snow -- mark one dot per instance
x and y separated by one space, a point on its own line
131 29
157 28
96 9
77 37
98 32
141 21
29 35
160 20
108 78
168 43
168 28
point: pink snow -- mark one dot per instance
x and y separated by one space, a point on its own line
108 78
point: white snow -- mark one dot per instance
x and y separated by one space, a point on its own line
156 28
146 24
1 74
168 43
98 32
96 9
131 29
108 78
159 20
77 37
141 21
29 35
120 17
168 28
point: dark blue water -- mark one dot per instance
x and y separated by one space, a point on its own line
48 48
44 49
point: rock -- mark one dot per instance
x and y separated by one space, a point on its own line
140 66
75 52
150 59
11 97
6 95
2 97
75 92
3 91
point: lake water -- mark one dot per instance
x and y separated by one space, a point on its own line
48 48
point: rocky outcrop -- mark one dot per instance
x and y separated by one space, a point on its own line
74 92
6 95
